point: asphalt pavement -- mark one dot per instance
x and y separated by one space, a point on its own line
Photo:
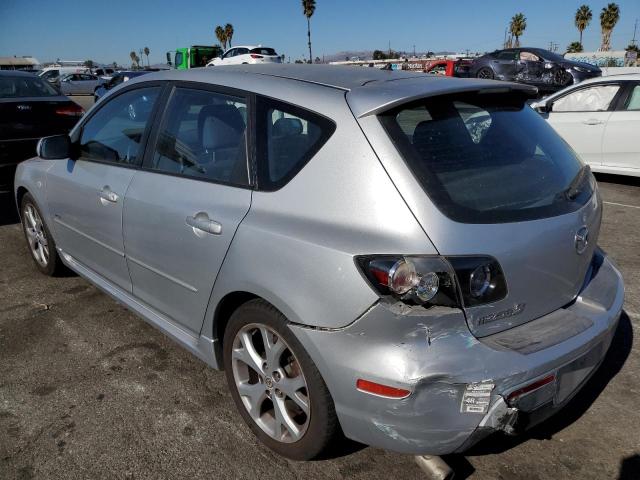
89 390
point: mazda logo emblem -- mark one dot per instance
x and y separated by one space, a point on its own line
581 240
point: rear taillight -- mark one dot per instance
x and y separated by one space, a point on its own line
434 280
253 55
70 111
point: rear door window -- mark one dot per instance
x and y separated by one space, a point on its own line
288 137
488 158
203 136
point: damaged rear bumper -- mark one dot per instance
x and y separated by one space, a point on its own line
463 388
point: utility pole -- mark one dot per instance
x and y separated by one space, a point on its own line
414 51
389 48
504 43
635 27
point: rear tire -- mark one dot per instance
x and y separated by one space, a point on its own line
485 73
39 239
285 401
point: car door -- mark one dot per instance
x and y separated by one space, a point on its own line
531 66
580 117
85 195
504 64
227 58
620 147
183 208
242 55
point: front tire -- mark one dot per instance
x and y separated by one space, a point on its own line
485 73
275 385
39 238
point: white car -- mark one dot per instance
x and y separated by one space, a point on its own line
246 54
600 119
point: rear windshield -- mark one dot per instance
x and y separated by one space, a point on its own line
16 87
263 51
488 158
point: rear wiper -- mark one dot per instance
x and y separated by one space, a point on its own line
574 188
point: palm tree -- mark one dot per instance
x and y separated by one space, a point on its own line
608 19
574 47
146 52
308 9
133 56
517 27
228 33
221 36
583 19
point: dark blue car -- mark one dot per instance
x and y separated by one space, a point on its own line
534 66
115 80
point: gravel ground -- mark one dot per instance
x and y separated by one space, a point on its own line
88 390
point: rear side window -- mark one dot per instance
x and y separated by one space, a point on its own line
288 137
488 158
203 136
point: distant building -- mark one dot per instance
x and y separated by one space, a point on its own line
19 63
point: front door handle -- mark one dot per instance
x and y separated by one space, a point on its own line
106 195
592 121
201 221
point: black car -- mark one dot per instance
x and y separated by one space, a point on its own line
30 108
534 66
115 80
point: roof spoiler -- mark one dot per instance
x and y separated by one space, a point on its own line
377 97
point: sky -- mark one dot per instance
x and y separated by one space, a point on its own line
106 31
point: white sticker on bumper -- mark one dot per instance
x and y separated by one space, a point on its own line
476 398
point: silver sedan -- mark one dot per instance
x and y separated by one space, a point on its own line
407 260
78 84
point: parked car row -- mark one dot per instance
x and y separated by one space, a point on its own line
406 260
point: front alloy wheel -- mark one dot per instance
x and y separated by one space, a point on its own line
36 236
41 244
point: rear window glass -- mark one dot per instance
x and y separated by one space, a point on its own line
16 87
288 137
263 51
488 158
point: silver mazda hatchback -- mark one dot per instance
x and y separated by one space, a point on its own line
407 260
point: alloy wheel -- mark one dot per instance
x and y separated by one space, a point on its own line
36 235
270 383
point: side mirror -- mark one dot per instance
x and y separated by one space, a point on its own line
57 147
168 58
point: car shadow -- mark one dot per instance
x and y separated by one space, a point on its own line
613 362
8 209
619 179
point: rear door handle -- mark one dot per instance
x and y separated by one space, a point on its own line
201 221
107 195
592 121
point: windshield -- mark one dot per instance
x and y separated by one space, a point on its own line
16 87
488 158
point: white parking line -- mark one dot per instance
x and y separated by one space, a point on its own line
621 204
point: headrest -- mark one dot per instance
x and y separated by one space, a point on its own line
287 126
220 126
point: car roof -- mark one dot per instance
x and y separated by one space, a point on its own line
16 73
369 90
